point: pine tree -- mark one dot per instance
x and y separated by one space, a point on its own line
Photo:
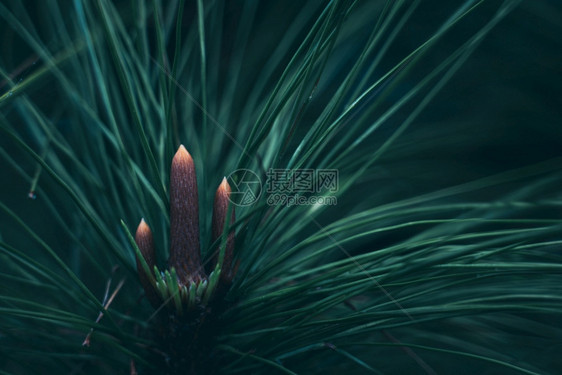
322 187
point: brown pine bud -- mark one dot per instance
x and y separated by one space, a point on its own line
220 210
145 243
185 253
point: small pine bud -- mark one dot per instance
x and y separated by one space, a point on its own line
220 210
145 243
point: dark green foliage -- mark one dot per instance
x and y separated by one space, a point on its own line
442 254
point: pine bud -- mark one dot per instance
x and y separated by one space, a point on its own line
185 253
145 243
220 210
